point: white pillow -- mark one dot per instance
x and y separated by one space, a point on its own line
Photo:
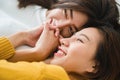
9 26
31 15
13 19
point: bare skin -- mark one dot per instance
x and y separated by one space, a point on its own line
44 46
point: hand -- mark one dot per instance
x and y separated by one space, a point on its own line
45 45
47 42
28 37
31 36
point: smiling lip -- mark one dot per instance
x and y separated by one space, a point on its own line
62 50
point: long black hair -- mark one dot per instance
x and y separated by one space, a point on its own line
98 11
44 3
107 56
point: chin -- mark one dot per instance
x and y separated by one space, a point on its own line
53 61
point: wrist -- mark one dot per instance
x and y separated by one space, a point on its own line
40 54
20 39
16 39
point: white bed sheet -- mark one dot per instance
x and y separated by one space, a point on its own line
13 19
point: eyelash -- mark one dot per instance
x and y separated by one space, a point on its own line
71 30
80 40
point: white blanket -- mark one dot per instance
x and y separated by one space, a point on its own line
13 19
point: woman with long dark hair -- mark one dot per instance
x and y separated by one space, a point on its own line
97 11
90 54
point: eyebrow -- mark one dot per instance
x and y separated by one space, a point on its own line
65 12
71 13
85 36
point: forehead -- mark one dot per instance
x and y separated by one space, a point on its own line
77 18
92 33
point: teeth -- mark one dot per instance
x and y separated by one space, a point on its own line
62 53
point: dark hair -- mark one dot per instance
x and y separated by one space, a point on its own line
108 56
98 11
44 3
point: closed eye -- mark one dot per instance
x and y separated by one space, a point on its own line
71 30
80 40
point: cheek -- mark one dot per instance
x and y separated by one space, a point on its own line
73 56
57 15
81 20
78 55
78 51
76 48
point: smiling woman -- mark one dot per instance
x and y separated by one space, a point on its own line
78 50
88 55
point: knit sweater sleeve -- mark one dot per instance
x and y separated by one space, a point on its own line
54 72
6 48
31 71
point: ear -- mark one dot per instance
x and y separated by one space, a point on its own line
92 67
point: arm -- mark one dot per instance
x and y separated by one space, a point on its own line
6 48
30 71
7 45
28 37
46 44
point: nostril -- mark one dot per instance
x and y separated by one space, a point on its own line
62 43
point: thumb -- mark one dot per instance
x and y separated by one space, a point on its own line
47 27
57 32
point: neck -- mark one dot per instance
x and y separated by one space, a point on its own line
75 76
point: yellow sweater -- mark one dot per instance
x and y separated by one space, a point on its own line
6 48
26 70
31 71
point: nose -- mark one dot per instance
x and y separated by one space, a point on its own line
64 42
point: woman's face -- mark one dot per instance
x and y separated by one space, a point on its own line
77 53
68 21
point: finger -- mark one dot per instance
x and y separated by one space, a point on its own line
60 25
49 21
46 26
57 32
53 27
63 24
